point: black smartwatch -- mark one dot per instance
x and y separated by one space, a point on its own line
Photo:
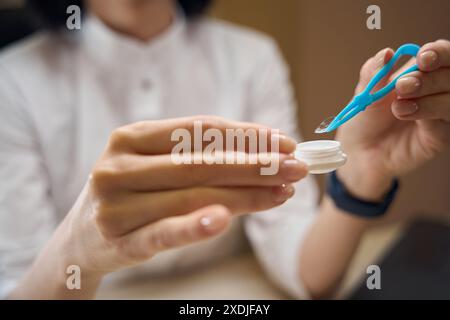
367 209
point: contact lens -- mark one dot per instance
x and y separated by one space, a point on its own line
324 125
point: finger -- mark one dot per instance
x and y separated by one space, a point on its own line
175 232
148 173
419 84
401 69
160 137
434 107
130 211
434 55
372 66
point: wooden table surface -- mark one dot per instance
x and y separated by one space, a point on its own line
241 277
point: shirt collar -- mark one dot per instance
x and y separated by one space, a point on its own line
112 49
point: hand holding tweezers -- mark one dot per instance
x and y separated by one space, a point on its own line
361 101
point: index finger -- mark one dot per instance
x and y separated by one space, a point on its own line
160 137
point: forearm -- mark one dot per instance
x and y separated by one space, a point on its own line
397 135
328 248
47 277
44 283
334 237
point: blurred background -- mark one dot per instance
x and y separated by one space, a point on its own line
325 42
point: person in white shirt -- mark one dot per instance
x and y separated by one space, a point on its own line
87 180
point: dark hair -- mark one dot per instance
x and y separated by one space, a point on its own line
52 14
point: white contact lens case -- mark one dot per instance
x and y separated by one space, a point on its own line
321 156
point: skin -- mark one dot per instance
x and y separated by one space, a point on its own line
140 19
130 210
138 203
393 137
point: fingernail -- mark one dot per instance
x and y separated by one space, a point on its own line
210 222
428 59
283 192
292 170
291 143
406 108
408 85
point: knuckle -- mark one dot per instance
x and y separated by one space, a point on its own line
172 235
102 177
187 234
423 78
140 127
131 252
106 221
434 145
443 42
159 240
209 122
120 137
166 238
109 171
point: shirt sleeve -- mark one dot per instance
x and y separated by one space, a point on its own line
277 235
27 216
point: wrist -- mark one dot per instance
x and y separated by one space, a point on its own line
56 273
75 276
364 181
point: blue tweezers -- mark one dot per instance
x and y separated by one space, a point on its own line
361 101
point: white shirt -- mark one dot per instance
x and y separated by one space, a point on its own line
61 95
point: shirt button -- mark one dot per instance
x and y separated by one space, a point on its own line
146 84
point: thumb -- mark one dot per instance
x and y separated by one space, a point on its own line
371 67
177 231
